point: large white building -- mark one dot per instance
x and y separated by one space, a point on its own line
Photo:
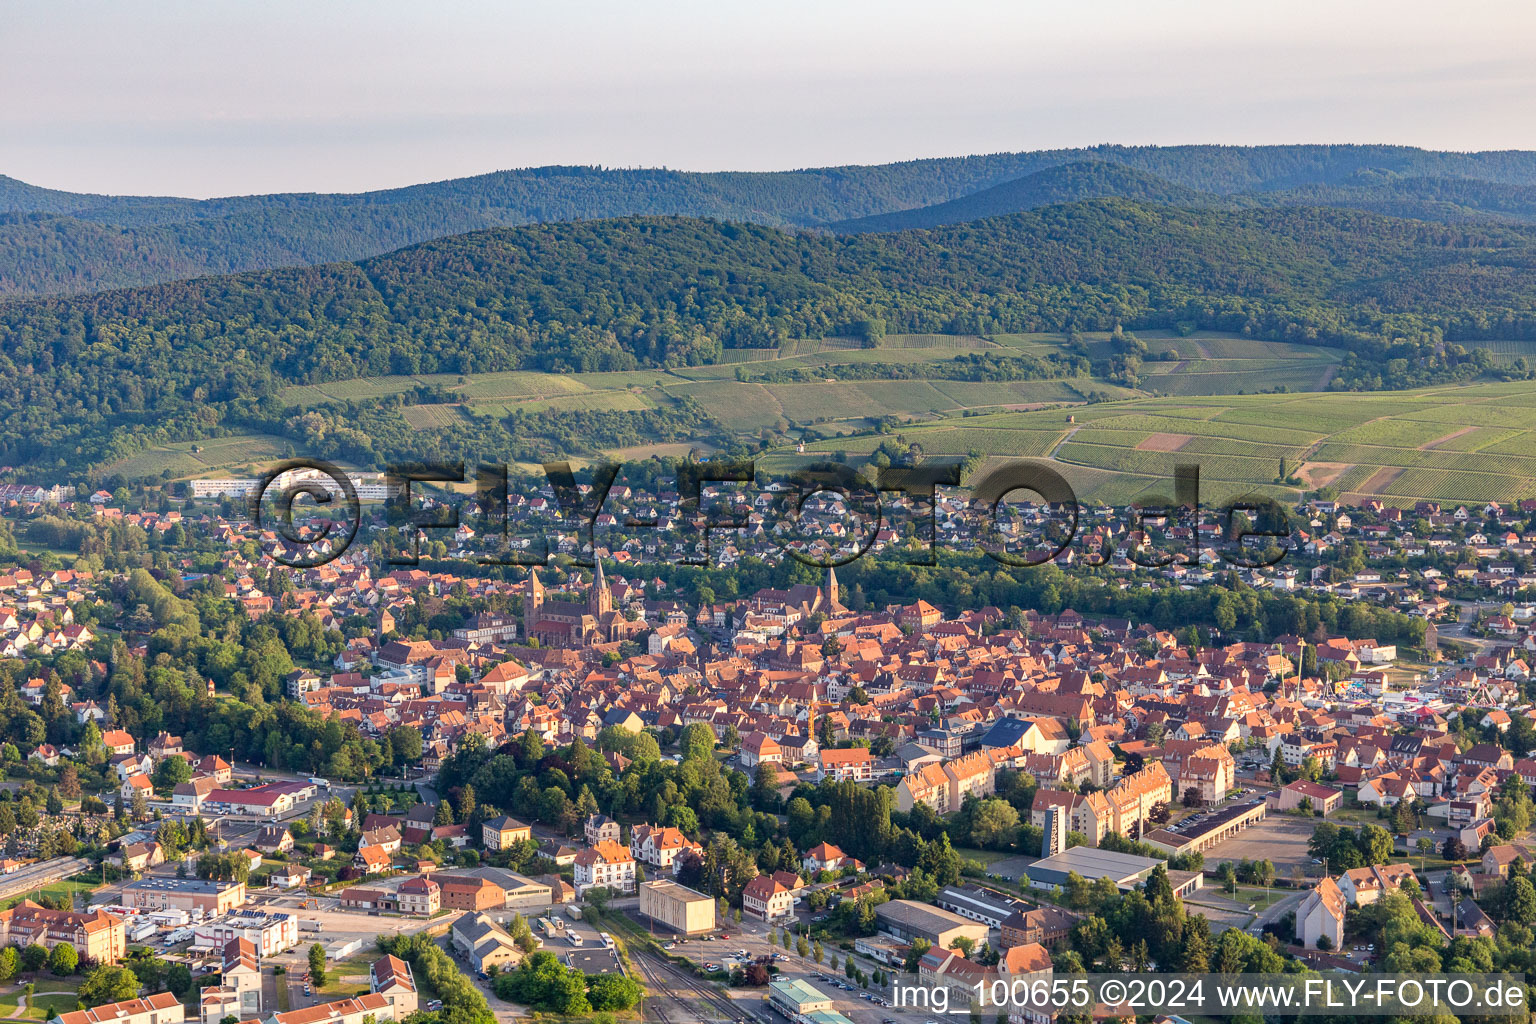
270 933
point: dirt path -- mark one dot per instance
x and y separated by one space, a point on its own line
1453 435
1381 480
1064 439
1321 474
1163 442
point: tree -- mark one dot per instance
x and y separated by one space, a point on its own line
178 978
63 960
1520 900
696 742
965 944
107 984
34 957
10 963
172 772
817 952
994 823
613 992
317 964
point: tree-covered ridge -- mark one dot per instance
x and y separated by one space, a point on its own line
1068 183
62 242
95 377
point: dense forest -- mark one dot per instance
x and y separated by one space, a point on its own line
92 378
1068 183
54 242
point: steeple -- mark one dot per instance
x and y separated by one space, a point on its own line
831 586
599 598
533 601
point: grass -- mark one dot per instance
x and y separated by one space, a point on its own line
1262 899
1342 440
67 887
987 857
352 967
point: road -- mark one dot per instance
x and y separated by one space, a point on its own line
753 937
1277 910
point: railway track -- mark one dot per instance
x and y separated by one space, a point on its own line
662 976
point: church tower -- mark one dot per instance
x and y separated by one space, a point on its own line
533 603
831 586
599 598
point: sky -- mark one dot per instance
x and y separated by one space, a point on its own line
213 97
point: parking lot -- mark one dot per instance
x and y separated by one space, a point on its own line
1278 838
752 936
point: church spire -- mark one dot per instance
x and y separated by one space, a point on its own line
831 585
600 598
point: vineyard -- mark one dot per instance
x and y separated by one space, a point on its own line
1399 447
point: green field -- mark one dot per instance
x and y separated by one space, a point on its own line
234 452
1206 364
1399 447
1470 443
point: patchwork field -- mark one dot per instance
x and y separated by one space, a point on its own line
1399 447
179 460
1473 443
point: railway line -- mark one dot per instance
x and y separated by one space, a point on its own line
665 979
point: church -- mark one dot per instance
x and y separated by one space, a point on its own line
574 624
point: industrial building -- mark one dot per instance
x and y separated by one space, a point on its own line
189 894
677 907
1092 863
908 920
797 998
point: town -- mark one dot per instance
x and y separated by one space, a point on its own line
241 791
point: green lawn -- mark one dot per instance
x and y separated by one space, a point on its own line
1261 899
353 967
987 857
67 887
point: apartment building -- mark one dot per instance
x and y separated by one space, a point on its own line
97 935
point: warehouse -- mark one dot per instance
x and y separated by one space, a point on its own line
909 920
796 998
677 907
189 894
1124 869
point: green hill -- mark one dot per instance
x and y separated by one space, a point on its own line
1068 183
96 378
60 242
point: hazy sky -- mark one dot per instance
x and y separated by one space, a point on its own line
205 97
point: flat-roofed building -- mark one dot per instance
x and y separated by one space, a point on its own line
270 932
797 998
1124 869
208 895
908 920
1216 827
161 1008
677 907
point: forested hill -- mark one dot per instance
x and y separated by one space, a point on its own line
1067 183
60 242
94 377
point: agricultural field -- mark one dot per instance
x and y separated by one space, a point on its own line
232 453
1453 444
